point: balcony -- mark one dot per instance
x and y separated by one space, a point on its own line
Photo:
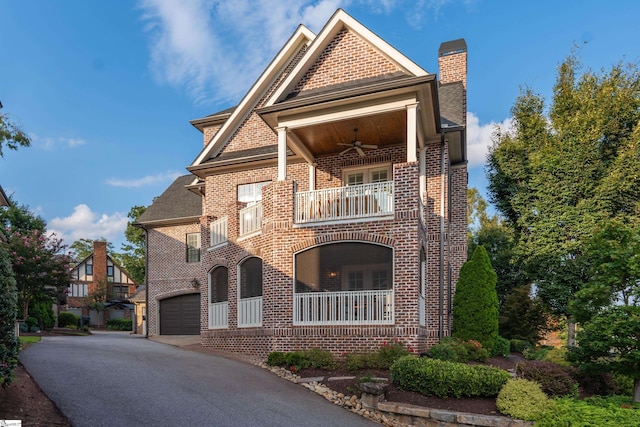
250 219
219 231
219 315
344 203
343 308
250 312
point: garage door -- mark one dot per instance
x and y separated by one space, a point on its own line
180 315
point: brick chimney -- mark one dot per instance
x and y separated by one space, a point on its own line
99 261
452 66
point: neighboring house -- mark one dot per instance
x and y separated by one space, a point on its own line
333 204
99 275
139 301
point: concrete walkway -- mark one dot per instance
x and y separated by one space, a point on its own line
177 340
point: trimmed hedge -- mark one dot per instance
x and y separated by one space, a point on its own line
523 399
119 324
447 379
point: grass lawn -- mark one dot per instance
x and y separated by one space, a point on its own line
28 340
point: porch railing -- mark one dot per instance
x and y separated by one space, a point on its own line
250 312
343 308
354 201
251 219
219 315
219 231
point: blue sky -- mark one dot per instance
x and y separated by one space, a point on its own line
106 89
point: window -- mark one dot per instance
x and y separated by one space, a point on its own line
251 278
219 285
368 175
193 247
110 270
78 290
88 269
251 193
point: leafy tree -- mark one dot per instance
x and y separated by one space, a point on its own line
40 266
11 135
475 303
498 240
20 217
557 176
610 341
133 256
8 310
523 317
96 298
82 248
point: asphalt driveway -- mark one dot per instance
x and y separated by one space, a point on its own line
117 379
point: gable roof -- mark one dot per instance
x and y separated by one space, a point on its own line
339 21
301 37
4 200
176 204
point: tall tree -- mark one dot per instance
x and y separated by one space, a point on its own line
8 310
11 135
557 176
133 256
19 217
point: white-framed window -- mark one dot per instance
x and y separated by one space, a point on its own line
368 175
193 247
78 290
88 269
251 193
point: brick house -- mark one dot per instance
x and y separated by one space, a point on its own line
333 203
99 273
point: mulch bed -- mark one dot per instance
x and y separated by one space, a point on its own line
478 405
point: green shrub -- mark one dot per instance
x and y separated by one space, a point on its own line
447 379
557 355
119 324
475 303
523 399
8 307
296 360
536 353
456 350
501 347
613 411
388 354
32 323
624 384
43 312
276 358
66 319
555 380
355 361
320 359
519 346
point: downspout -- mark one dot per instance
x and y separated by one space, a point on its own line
441 263
145 322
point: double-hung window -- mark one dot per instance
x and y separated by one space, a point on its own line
193 247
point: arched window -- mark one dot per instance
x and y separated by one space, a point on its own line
219 280
218 298
250 290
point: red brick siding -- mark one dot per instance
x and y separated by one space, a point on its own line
347 58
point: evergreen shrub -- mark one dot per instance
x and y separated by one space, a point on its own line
276 358
440 378
66 319
523 399
501 347
119 324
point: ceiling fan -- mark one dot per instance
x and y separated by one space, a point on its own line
356 145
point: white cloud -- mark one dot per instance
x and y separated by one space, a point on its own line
479 137
216 49
144 181
84 223
52 143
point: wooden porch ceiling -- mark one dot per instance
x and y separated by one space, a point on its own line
382 129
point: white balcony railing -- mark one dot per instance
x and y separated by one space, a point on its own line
354 201
343 308
250 312
251 219
219 315
422 310
219 231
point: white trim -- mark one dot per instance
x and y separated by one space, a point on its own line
337 22
282 153
412 123
312 177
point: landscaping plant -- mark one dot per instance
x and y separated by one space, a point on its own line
523 399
